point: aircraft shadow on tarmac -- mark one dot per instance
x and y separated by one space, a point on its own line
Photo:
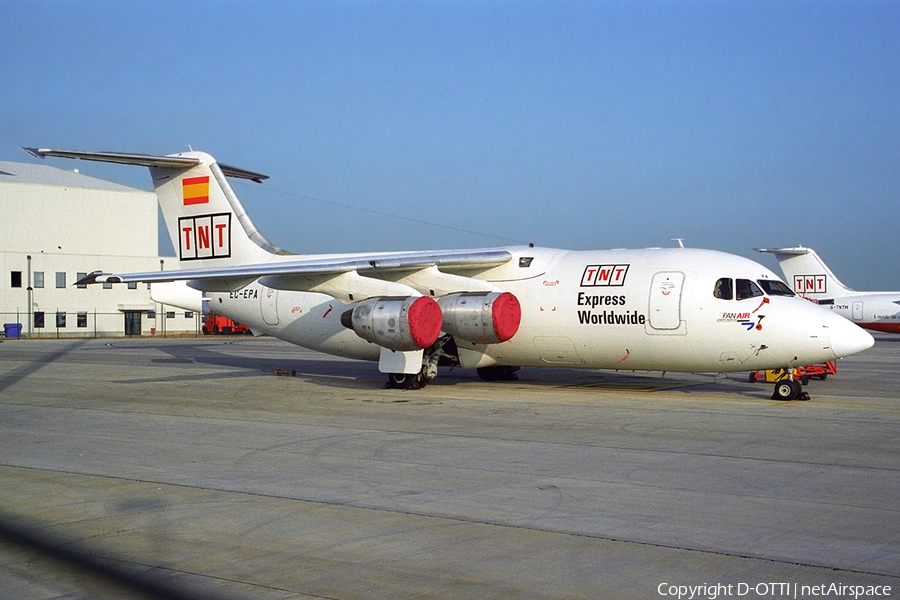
361 375
31 367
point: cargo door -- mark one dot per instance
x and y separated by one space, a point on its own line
665 300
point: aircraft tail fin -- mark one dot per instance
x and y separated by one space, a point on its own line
807 273
207 224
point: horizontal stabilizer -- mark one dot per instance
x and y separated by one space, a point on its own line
798 251
144 160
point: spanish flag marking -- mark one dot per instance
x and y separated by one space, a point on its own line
195 190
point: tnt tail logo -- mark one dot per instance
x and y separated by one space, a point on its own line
195 190
205 236
604 275
809 284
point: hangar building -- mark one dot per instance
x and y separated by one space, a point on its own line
58 226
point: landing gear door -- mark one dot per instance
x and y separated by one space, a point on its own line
665 303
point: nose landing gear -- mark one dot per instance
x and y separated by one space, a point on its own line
789 389
789 382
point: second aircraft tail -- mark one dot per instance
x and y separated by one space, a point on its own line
807 273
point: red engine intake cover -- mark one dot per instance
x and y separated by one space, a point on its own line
425 321
507 315
481 317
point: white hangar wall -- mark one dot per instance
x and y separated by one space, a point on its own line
58 225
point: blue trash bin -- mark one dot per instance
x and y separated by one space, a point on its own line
12 330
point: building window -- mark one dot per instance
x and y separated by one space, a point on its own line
132 285
60 279
188 314
60 320
170 314
15 279
82 286
107 285
38 279
82 319
38 319
151 314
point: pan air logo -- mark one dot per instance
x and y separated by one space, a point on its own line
205 236
810 284
604 275
195 190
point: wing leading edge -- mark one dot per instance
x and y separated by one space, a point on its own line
351 277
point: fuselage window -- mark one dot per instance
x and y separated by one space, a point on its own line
747 289
773 287
723 289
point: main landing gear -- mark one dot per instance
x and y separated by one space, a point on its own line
405 381
444 353
498 373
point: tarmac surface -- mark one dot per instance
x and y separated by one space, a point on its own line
193 464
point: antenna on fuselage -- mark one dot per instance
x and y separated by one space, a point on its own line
680 242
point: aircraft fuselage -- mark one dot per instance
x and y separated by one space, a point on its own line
652 309
878 311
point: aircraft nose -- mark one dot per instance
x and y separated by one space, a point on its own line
847 338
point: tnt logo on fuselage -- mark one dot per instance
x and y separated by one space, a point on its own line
604 275
205 236
810 284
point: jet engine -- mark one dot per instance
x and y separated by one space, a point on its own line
403 324
481 317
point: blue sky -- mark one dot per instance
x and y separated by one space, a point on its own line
455 124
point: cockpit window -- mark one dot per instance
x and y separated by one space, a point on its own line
747 289
773 287
724 290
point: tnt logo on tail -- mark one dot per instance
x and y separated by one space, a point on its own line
810 284
195 190
205 236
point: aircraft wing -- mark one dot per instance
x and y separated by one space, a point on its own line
346 277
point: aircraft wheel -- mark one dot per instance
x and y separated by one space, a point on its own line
498 373
403 381
488 373
787 390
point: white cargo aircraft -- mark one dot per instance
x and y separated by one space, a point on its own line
812 279
494 310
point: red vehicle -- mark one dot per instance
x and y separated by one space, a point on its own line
820 371
223 325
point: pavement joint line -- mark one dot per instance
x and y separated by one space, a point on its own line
487 523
